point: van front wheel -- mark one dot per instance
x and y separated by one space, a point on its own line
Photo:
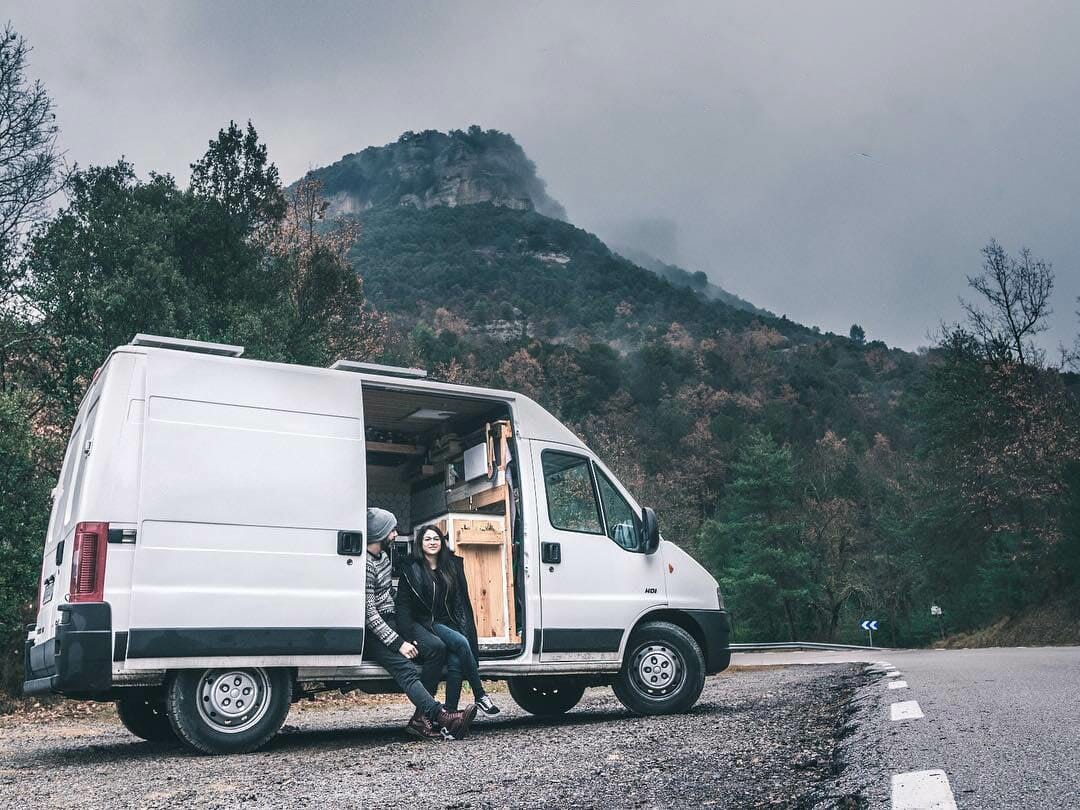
146 718
228 711
663 671
546 697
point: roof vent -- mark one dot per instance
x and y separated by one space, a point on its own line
375 368
181 345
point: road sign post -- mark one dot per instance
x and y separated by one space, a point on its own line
870 625
935 610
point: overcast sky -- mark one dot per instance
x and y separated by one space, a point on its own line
839 162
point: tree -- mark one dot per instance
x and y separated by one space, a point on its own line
832 535
322 295
24 514
31 166
32 171
92 285
178 267
236 173
998 430
754 547
1017 294
857 334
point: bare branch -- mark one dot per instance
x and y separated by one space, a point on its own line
32 169
1017 292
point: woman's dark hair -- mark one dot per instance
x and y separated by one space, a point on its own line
442 560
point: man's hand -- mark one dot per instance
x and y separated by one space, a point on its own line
408 649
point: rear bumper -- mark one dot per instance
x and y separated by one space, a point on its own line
77 662
716 629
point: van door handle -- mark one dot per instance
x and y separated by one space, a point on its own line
550 553
350 543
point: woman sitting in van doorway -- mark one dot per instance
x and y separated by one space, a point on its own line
435 595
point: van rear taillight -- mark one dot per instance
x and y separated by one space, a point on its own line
88 563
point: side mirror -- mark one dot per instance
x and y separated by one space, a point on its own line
650 530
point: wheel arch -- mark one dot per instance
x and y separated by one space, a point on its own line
675 617
710 635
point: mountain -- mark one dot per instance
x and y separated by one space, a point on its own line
430 169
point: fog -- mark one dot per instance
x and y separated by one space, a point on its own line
835 162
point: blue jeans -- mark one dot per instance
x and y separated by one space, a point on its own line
460 663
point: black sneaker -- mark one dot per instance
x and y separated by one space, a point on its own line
487 706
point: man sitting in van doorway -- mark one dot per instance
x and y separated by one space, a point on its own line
394 653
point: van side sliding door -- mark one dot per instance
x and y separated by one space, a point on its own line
251 518
594 581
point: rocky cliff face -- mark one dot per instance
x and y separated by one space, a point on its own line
429 169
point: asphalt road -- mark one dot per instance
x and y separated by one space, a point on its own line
757 738
1003 724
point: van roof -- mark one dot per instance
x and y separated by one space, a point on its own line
532 421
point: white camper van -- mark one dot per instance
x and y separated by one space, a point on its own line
204 564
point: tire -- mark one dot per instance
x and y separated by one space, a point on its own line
663 671
146 718
546 697
228 711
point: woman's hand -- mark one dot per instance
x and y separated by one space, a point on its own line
408 649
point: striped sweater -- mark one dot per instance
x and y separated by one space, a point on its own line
379 600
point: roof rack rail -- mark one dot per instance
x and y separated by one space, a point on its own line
182 345
376 368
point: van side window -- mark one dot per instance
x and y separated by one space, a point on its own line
623 525
571 497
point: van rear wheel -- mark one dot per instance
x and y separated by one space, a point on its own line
146 718
663 671
546 697
228 711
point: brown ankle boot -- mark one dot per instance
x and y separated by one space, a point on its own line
456 724
420 726
470 713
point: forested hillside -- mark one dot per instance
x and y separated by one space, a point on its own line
822 478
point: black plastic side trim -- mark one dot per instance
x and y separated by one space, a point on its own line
38 686
581 640
120 646
229 641
716 628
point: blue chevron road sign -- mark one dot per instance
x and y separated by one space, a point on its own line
869 624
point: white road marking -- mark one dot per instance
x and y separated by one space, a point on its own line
922 790
905 710
898 684
893 674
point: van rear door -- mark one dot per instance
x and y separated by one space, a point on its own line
56 559
251 516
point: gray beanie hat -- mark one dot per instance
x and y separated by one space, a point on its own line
379 524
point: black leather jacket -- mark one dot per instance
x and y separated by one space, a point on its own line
416 593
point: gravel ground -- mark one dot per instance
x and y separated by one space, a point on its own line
757 738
